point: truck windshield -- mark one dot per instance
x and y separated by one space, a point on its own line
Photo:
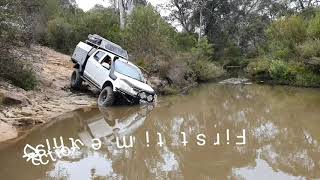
128 70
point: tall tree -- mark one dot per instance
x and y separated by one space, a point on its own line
183 11
125 8
237 23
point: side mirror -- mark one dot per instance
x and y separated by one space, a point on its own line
106 65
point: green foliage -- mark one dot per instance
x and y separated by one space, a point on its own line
60 35
279 50
258 66
15 32
18 72
203 50
284 34
163 51
291 41
185 41
104 22
289 30
314 26
24 78
65 30
205 70
310 48
281 72
307 79
147 32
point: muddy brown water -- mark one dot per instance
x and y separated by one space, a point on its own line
282 126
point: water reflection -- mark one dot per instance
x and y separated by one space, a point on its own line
282 127
113 123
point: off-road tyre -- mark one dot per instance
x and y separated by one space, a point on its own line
106 97
76 80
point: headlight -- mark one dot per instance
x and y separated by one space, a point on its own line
150 98
143 95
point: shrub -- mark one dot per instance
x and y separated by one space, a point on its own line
205 70
60 35
284 34
185 41
203 50
307 79
281 72
18 72
258 66
15 31
104 22
310 48
280 50
289 30
314 26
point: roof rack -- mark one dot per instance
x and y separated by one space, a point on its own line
102 43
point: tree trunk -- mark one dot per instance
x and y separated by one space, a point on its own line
200 25
130 7
122 14
301 4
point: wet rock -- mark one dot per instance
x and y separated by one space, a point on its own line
7 132
236 81
13 98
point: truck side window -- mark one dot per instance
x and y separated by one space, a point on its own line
98 55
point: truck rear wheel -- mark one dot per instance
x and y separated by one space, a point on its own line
106 97
76 80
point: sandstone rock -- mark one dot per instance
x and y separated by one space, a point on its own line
80 102
8 114
12 98
26 112
7 132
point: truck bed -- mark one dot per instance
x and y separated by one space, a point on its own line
81 53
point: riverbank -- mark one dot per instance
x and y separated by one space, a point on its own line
20 109
52 96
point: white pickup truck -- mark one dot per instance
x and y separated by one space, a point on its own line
105 65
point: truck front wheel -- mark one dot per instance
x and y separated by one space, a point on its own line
76 80
106 97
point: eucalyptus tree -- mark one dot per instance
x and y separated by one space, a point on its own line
125 9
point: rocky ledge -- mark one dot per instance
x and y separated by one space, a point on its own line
52 97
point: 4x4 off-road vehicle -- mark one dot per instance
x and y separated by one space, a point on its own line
105 65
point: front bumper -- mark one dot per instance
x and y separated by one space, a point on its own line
137 96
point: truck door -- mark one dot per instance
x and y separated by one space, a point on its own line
102 72
92 70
